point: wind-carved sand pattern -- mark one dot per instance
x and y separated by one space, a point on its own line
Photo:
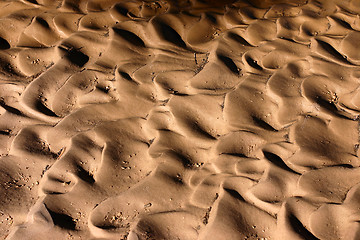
179 119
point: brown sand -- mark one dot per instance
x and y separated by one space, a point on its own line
197 119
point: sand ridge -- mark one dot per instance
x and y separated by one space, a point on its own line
165 119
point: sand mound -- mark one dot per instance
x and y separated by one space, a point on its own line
179 119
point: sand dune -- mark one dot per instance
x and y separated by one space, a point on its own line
166 119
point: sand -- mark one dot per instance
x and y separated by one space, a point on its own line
192 119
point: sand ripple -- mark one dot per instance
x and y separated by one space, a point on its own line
179 119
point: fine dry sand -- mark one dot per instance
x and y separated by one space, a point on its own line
192 119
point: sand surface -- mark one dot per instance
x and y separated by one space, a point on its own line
192 119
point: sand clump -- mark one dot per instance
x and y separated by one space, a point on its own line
179 119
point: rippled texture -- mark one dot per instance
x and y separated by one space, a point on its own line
179 119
